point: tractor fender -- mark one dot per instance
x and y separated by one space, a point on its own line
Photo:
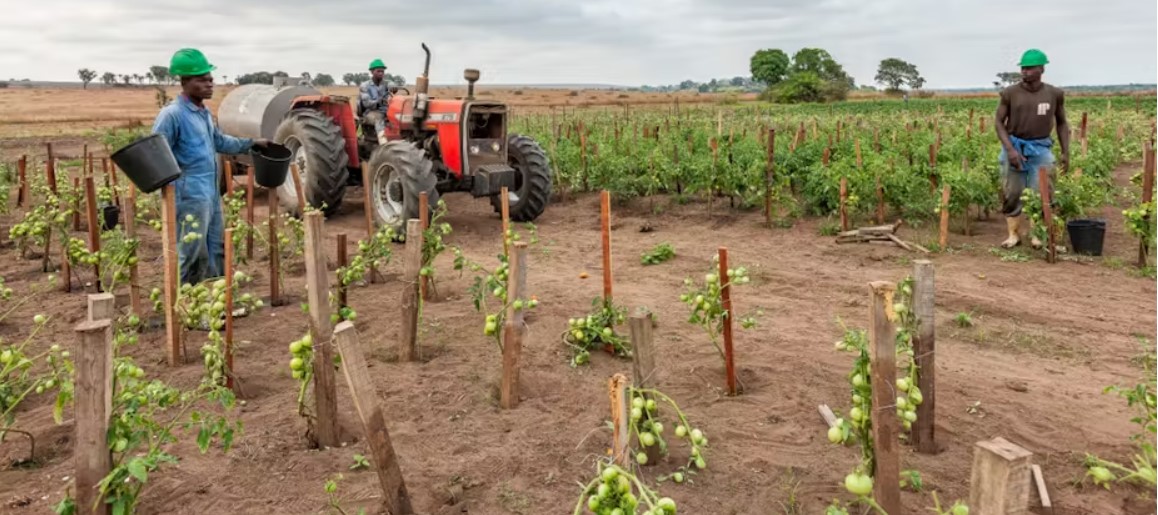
256 110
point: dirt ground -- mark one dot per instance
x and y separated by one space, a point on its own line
1046 339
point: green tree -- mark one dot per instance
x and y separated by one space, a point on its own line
769 66
109 78
894 73
160 73
86 76
323 80
800 87
1006 79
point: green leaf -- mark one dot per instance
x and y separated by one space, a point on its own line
203 437
138 470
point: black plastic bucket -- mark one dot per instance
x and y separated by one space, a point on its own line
1087 236
148 162
270 165
110 215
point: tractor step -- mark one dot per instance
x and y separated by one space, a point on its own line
490 180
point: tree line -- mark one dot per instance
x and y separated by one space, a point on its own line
159 75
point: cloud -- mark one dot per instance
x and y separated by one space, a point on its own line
955 43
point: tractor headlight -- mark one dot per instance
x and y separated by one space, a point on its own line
495 146
474 150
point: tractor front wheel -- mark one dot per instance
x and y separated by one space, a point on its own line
528 199
399 173
319 151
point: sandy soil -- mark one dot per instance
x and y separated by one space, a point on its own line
1063 331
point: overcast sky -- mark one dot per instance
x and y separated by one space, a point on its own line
954 43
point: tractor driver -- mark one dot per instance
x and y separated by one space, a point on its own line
195 141
374 96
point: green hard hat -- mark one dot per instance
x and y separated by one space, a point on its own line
189 62
377 63
1033 57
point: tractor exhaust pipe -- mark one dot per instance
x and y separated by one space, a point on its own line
421 89
471 75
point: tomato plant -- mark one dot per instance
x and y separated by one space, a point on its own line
706 302
615 491
647 427
495 284
1141 397
597 331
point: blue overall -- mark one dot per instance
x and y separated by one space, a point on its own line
1038 155
195 141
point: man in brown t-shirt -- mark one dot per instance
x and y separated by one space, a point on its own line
1026 117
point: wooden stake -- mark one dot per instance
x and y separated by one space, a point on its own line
94 406
172 273
1000 480
424 220
644 373
318 296
1047 213
605 230
396 499
824 157
298 189
880 201
726 304
76 208
620 444
1042 491
94 227
1148 166
885 425
249 185
768 180
843 202
101 306
924 353
409 345
274 251
514 328
50 170
343 261
22 177
943 240
859 162
230 372
368 209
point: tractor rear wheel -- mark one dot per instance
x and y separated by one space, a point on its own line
532 188
399 173
319 151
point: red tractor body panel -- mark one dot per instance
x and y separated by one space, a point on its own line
338 109
442 116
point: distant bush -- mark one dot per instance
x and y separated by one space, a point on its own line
924 93
518 92
573 93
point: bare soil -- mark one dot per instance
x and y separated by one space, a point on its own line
1061 331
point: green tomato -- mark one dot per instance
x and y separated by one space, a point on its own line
295 347
681 431
960 509
623 485
636 413
903 384
609 474
651 406
637 402
667 505
700 463
607 333
856 414
835 434
39 319
641 458
697 435
647 439
678 477
296 364
858 484
858 380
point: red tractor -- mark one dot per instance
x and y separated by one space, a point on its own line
432 145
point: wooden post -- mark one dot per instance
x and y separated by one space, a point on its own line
1047 213
617 391
368 209
298 189
824 157
859 162
943 240
396 500
94 406
76 208
230 373
885 425
1042 492
1148 166
50 169
343 261
514 328
318 296
424 221
643 363
924 353
130 215
726 301
880 201
408 351
843 201
505 212
22 178
1000 480
94 226
768 179
605 230
274 250
101 306
172 273
249 185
